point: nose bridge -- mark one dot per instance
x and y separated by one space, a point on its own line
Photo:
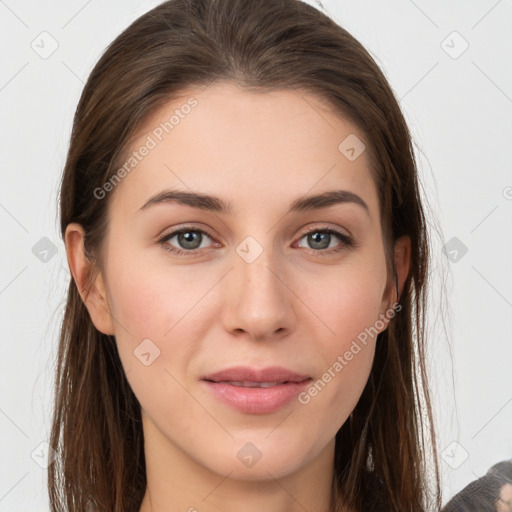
259 303
258 284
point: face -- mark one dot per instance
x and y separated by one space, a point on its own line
194 289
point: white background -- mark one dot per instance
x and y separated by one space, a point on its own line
459 110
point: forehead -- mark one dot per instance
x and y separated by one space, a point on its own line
253 146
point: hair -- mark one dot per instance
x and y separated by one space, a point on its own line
478 496
385 454
482 495
503 471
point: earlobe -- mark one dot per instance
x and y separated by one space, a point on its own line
88 279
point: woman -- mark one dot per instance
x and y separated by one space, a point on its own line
245 323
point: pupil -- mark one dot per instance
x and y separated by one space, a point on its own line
186 239
317 237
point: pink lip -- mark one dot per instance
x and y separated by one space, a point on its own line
254 400
269 374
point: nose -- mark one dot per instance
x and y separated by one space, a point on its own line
258 301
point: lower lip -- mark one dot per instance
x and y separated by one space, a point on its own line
256 400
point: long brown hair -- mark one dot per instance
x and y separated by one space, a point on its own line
385 455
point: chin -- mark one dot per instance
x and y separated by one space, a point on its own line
260 459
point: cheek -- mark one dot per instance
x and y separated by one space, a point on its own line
156 313
154 308
346 302
152 300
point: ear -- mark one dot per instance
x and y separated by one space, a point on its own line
402 261
88 279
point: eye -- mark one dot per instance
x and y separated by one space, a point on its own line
188 240
320 240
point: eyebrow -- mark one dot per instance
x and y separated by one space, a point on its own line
215 204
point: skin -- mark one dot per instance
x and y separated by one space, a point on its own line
290 307
504 503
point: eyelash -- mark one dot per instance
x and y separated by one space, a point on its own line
346 241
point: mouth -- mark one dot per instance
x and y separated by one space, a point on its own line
253 391
241 375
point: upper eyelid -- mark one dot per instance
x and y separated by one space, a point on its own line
177 231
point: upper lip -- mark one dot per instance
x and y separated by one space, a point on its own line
245 373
